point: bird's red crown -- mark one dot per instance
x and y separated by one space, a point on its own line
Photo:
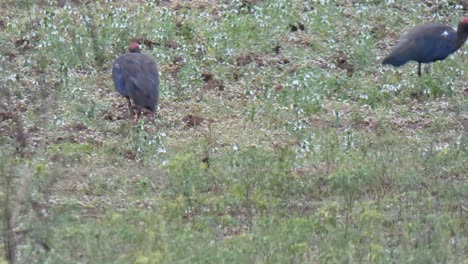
134 45
465 20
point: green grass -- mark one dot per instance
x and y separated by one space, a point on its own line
296 161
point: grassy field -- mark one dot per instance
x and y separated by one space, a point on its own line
280 138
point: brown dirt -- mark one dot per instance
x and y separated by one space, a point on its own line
261 59
211 83
340 59
192 120
297 27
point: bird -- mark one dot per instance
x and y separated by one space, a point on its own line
427 43
136 77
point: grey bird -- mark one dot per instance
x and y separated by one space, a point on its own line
136 77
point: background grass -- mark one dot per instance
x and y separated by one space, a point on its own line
308 150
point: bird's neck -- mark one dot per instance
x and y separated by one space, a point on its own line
462 35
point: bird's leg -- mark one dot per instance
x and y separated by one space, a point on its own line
129 106
427 70
138 115
419 69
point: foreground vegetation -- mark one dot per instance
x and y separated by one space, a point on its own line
280 138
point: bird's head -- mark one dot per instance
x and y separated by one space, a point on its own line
463 25
462 32
134 47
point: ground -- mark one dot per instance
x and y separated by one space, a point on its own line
279 138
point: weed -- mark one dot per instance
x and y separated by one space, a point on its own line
303 148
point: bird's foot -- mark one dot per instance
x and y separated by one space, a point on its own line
135 120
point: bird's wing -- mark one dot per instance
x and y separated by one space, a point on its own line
406 49
143 91
118 78
436 41
150 69
444 44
